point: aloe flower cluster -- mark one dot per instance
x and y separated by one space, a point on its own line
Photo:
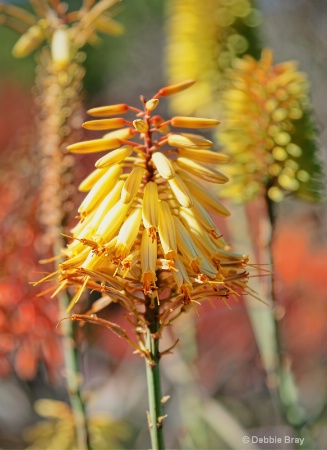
145 230
267 131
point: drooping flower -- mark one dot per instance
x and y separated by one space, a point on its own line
203 37
267 131
143 223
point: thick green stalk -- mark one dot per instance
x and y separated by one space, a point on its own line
155 417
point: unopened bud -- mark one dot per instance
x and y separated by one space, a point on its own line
175 88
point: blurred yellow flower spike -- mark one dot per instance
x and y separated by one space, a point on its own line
144 222
266 111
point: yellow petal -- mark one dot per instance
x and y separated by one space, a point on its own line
175 88
148 254
111 223
152 104
204 156
101 188
181 192
111 110
201 171
132 185
193 122
128 233
150 208
114 157
189 140
163 165
90 180
96 145
166 228
104 124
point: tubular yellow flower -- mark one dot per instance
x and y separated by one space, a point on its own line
201 171
113 110
163 166
132 185
205 198
189 140
150 208
167 232
114 157
204 156
122 134
94 146
111 223
104 124
101 188
193 122
148 262
181 192
174 89
90 180
186 245
128 233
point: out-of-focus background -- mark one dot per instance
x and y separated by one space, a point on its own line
215 377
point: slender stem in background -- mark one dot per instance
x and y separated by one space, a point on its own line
156 416
72 367
287 390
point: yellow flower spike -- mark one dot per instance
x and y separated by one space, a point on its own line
163 166
28 42
112 110
104 124
193 122
101 188
111 223
90 180
152 104
189 140
132 185
167 232
114 157
181 192
204 156
94 146
60 47
140 125
128 233
201 171
150 208
148 262
205 197
174 89
186 245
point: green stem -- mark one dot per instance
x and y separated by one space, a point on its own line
287 390
156 416
73 373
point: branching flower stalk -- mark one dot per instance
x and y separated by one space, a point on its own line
145 238
61 33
